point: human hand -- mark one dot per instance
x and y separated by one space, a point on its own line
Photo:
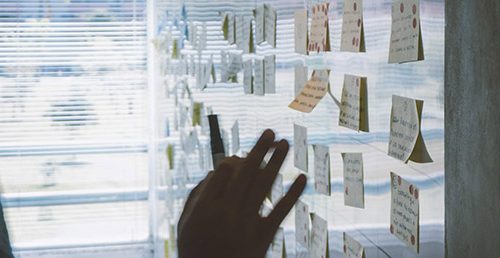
221 217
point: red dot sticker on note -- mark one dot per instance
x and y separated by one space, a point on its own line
353 41
357 42
392 229
412 239
402 7
414 9
347 191
326 10
345 249
411 189
314 9
414 23
326 24
322 8
355 6
399 180
415 193
305 239
359 22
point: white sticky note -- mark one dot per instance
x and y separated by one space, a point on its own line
300 30
352 37
406 36
352 248
235 137
405 212
223 66
300 147
278 246
277 190
354 190
302 224
248 77
270 74
322 169
405 140
259 23
319 237
270 24
319 39
354 103
259 77
314 90
300 78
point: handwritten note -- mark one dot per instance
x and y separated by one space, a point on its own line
354 103
270 74
302 223
277 190
322 169
352 248
300 78
301 33
406 35
319 237
314 90
406 141
223 66
278 246
405 212
354 193
319 39
244 33
235 137
265 24
248 77
300 147
228 27
259 77
353 38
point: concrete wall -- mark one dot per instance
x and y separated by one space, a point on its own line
472 108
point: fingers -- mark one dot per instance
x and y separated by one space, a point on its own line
284 206
192 200
218 184
264 182
246 174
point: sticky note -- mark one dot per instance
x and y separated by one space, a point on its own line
319 237
301 32
322 169
352 37
302 223
354 103
405 140
319 38
314 90
270 74
235 65
300 77
223 66
265 24
354 193
352 248
235 137
405 212
300 147
248 77
244 33
259 77
278 246
406 35
228 27
277 190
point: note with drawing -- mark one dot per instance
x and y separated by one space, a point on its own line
302 224
319 38
354 103
352 37
319 237
405 214
406 33
314 90
322 169
300 147
301 33
405 139
354 187
352 248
